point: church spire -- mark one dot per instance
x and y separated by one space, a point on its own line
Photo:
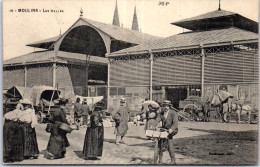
219 5
116 17
135 22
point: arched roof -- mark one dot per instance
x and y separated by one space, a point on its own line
114 32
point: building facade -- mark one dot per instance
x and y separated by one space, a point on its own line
74 61
219 51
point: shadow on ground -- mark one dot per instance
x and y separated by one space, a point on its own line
80 155
219 147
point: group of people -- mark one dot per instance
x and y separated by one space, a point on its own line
19 136
168 117
20 140
81 112
93 143
153 116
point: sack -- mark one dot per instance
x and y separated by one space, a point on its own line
116 117
48 128
215 100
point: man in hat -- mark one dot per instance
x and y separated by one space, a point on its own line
121 117
169 120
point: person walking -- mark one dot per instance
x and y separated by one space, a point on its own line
58 140
77 111
169 119
85 112
28 122
93 143
121 118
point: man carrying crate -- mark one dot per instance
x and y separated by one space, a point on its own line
169 120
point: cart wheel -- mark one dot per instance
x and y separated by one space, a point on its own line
200 116
254 119
190 112
39 117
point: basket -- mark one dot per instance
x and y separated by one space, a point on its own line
156 134
66 127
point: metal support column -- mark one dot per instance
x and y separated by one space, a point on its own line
151 75
202 71
25 76
54 74
108 82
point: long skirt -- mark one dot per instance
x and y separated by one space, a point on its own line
12 141
58 142
93 144
30 140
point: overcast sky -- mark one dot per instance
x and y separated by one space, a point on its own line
21 28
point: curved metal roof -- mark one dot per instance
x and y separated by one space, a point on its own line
115 32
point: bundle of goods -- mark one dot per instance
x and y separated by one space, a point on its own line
161 133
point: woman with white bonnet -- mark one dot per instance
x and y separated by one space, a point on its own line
28 122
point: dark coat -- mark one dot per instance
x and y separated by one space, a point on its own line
93 144
58 140
171 122
12 141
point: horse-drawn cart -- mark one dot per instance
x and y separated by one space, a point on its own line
191 109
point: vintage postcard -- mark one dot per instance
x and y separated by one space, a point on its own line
130 82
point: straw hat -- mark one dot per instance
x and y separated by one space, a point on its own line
122 100
167 102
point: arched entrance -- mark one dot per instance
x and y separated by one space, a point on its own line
85 40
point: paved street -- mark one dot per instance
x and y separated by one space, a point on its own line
196 143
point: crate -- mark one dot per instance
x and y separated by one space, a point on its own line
156 134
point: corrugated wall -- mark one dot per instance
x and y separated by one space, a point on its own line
222 67
231 67
13 77
39 74
130 72
177 70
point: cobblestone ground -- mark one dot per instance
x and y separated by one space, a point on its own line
196 143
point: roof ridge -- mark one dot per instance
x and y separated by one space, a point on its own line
193 18
138 32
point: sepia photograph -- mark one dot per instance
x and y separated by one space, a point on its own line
130 82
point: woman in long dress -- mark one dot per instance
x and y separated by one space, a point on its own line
12 137
28 122
58 140
93 144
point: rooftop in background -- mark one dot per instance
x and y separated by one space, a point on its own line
193 39
48 56
115 32
218 19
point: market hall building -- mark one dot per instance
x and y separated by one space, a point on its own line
220 50
74 61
